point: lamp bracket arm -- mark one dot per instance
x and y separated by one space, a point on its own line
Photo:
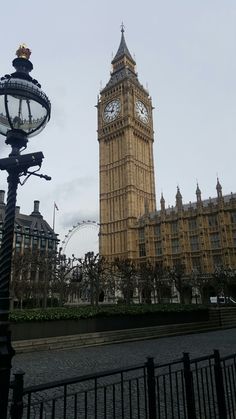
46 177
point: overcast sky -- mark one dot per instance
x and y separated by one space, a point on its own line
185 54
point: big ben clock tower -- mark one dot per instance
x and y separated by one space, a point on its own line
125 135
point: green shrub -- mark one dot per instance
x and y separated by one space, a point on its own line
85 312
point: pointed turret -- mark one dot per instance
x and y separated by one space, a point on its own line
198 194
178 197
123 57
219 189
162 201
123 65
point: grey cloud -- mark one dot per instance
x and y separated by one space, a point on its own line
75 186
72 218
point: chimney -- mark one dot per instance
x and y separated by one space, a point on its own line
17 211
36 206
2 197
36 212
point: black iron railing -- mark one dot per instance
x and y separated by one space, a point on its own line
197 388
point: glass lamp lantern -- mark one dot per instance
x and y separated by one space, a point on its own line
24 107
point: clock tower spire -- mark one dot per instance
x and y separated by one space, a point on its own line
123 58
125 135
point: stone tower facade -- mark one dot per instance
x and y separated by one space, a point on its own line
125 135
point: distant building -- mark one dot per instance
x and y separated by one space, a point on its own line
31 231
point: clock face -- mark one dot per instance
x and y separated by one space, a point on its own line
141 111
112 110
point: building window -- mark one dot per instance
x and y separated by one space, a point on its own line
27 241
43 244
234 237
174 227
35 242
141 234
18 241
217 260
177 263
142 250
157 230
194 243
18 238
215 241
196 263
192 224
50 244
158 248
213 221
175 246
233 217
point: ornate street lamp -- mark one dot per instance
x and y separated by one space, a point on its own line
24 112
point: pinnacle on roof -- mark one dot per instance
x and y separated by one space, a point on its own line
198 193
198 190
218 185
178 194
162 201
178 197
219 188
162 198
123 49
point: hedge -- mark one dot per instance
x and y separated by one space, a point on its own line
85 312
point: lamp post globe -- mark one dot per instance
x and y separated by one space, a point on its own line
24 112
24 107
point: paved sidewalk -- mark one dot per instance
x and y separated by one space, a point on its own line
46 366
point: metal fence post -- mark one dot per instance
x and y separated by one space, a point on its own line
220 391
17 397
151 384
189 388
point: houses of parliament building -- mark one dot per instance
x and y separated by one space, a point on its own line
200 235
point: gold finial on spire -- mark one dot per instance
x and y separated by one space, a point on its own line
23 52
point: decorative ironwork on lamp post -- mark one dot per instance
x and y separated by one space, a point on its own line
24 112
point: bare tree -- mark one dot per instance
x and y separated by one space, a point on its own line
32 273
62 268
181 281
93 269
126 273
146 282
223 278
162 282
20 287
203 283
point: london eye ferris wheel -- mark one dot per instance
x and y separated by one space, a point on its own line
81 238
